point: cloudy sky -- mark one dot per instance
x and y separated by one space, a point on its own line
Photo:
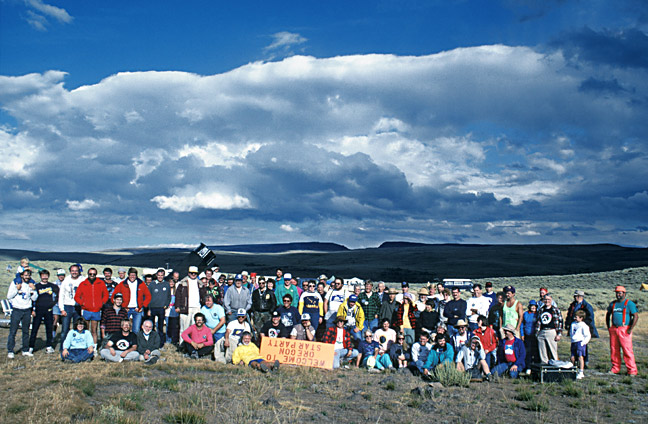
169 123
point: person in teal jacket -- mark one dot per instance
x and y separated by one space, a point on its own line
287 288
441 353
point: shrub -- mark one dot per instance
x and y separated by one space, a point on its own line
450 376
184 416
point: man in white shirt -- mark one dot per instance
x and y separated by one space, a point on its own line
477 305
334 299
66 300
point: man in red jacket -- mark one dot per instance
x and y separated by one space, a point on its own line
91 295
136 297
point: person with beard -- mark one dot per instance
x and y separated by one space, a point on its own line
264 303
198 340
91 295
160 301
122 345
136 297
441 353
47 294
275 328
66 302
247 353
188 297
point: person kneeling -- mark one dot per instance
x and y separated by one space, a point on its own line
125 342
198 339
472 359
247 353
510 354
79 344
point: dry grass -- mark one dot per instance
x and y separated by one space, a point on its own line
176 390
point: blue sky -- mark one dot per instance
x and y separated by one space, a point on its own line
169 123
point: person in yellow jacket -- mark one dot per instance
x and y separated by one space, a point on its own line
247 353
351 312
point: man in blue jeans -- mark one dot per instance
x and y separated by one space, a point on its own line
510 354
160 301
22 292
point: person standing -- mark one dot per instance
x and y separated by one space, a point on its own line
477 305
188 298
312 304
136 297
160 301
237 297
513 311
47 295
66 301
580 304
91 295
548 329
21 294
621 318
455 310
264 303
370 303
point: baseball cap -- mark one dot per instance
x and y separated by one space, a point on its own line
353 298
241 312
60 272
322 277
238 277
119 295
509 289
488 284
287 276
305 317
276 314
193 269
533 302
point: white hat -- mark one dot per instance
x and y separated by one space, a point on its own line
193 268
60 272
245 273
287 276
241 312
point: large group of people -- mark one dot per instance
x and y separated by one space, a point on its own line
223 317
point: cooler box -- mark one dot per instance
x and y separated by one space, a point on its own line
552 374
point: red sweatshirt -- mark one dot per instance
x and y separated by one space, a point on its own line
193 334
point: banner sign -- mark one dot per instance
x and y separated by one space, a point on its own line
297 352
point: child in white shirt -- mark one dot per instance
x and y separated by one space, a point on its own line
580 336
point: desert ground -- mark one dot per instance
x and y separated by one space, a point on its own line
181 390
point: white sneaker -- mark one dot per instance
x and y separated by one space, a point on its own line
31 350
28 353
49 349
10 355
580 376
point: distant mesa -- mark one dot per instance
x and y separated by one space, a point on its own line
282 247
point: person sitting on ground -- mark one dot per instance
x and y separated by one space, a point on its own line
274 328
441 353
462 336
122 345
580 337
247 353
472 359
233 334
385 335
370 355
419 354
148 343
304 330
340 337
79 344
487 339
510 354
399 353
198 339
